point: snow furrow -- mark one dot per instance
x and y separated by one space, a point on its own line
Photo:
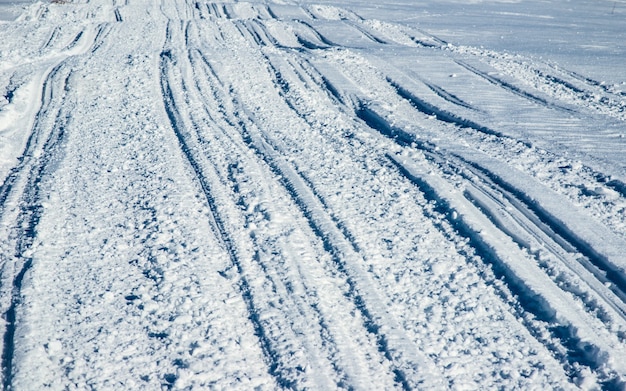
512 88
24 185
608 300
118 15
246 293
441 115
410 365
269 323
449 97
318 36
365 299
553 81
535 304
179 128
538 292
271 195
538 239
602 247
288 89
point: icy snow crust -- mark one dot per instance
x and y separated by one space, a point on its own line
330 195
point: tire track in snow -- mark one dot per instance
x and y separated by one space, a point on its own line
598 96
219 226
317 34
335 236
600 263
596 263
241 166
377 122
272 144
410 366
582 346
531 303
586 342
543 303
591 82
255 146
23 185
449 97
512 88
118 15
432 110
561 84
265 327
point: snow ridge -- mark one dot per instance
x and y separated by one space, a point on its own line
271 195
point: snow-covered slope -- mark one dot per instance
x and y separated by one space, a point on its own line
290 195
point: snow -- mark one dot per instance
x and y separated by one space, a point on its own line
313 195
11 9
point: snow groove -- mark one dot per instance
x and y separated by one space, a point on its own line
321 196
246 292
25 184
537 301
265 326
410 366
406 361
533 286
512 88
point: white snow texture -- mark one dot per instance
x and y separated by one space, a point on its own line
283 194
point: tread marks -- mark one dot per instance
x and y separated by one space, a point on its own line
408 366
367 34
270 12
580 351
260 34
606 98
513 218
48 94
441 115
219 226
268 38
539 217
449 96
326 336
74 42
614 274
575 352
104 29
47 136
247 31
539 230
52 38
581 91
267 326
325 85
118 15
425 39
285 89
532 303
512 88
594 83
343 256
325 42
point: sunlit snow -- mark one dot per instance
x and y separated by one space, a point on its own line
313 195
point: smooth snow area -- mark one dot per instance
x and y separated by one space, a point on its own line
11 9
313 195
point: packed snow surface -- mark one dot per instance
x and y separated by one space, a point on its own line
313 195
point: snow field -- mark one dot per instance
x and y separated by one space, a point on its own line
249 195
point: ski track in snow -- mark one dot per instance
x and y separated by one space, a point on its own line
250 195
